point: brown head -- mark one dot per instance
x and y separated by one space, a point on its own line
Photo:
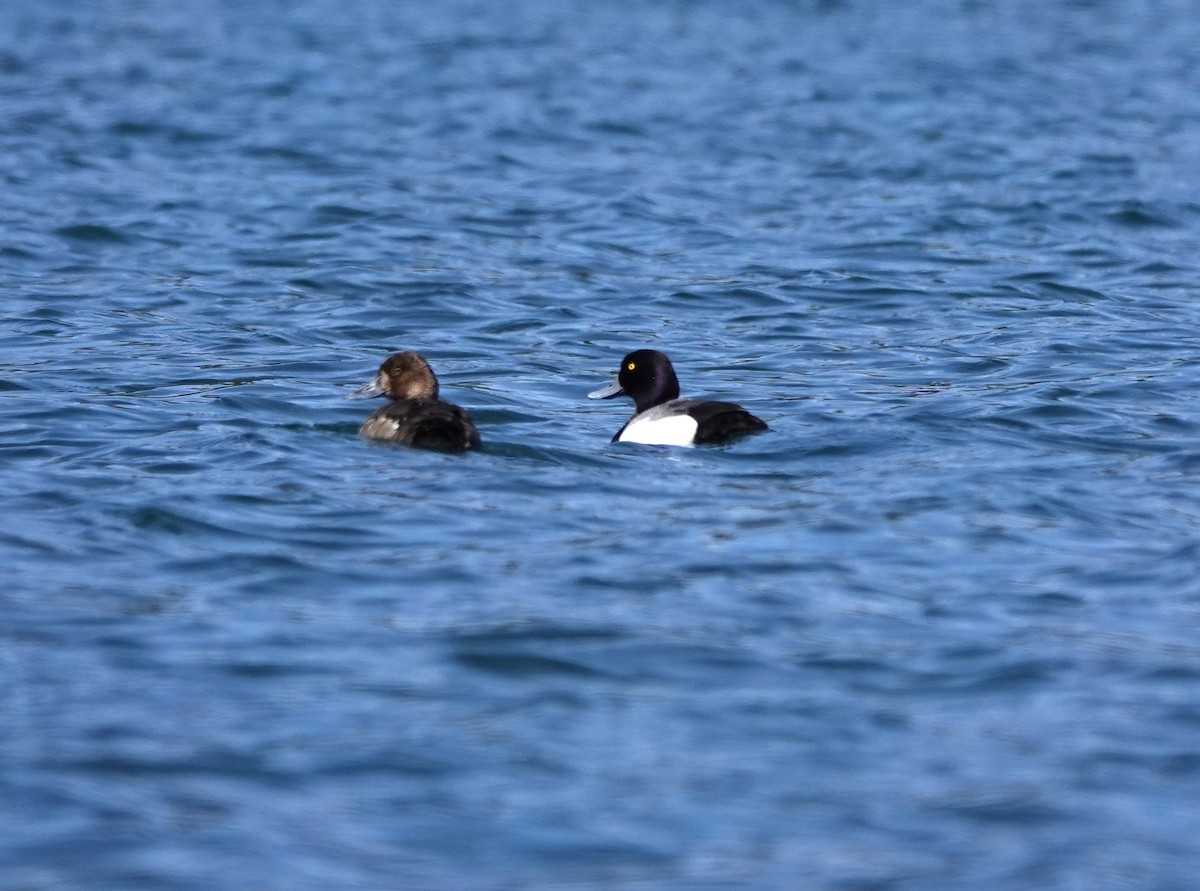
403 376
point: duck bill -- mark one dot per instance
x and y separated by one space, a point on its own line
613 389
374 387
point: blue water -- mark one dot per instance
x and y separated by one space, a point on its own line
939 629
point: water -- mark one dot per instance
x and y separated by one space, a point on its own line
939 629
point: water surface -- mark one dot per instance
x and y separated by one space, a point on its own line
938 629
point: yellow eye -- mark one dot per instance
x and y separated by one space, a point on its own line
631 366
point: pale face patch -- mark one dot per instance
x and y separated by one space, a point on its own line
377 386
677 430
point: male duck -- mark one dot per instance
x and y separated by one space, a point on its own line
661 417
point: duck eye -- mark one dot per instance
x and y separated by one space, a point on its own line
631 366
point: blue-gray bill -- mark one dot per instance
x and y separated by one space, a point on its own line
374 387
607 392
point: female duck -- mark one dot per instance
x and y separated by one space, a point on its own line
661 417
415 415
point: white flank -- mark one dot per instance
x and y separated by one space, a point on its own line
676 430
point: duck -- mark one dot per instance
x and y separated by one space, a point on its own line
415 416
661 417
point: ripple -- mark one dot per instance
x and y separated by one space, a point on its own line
947 606
93 233
521 664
